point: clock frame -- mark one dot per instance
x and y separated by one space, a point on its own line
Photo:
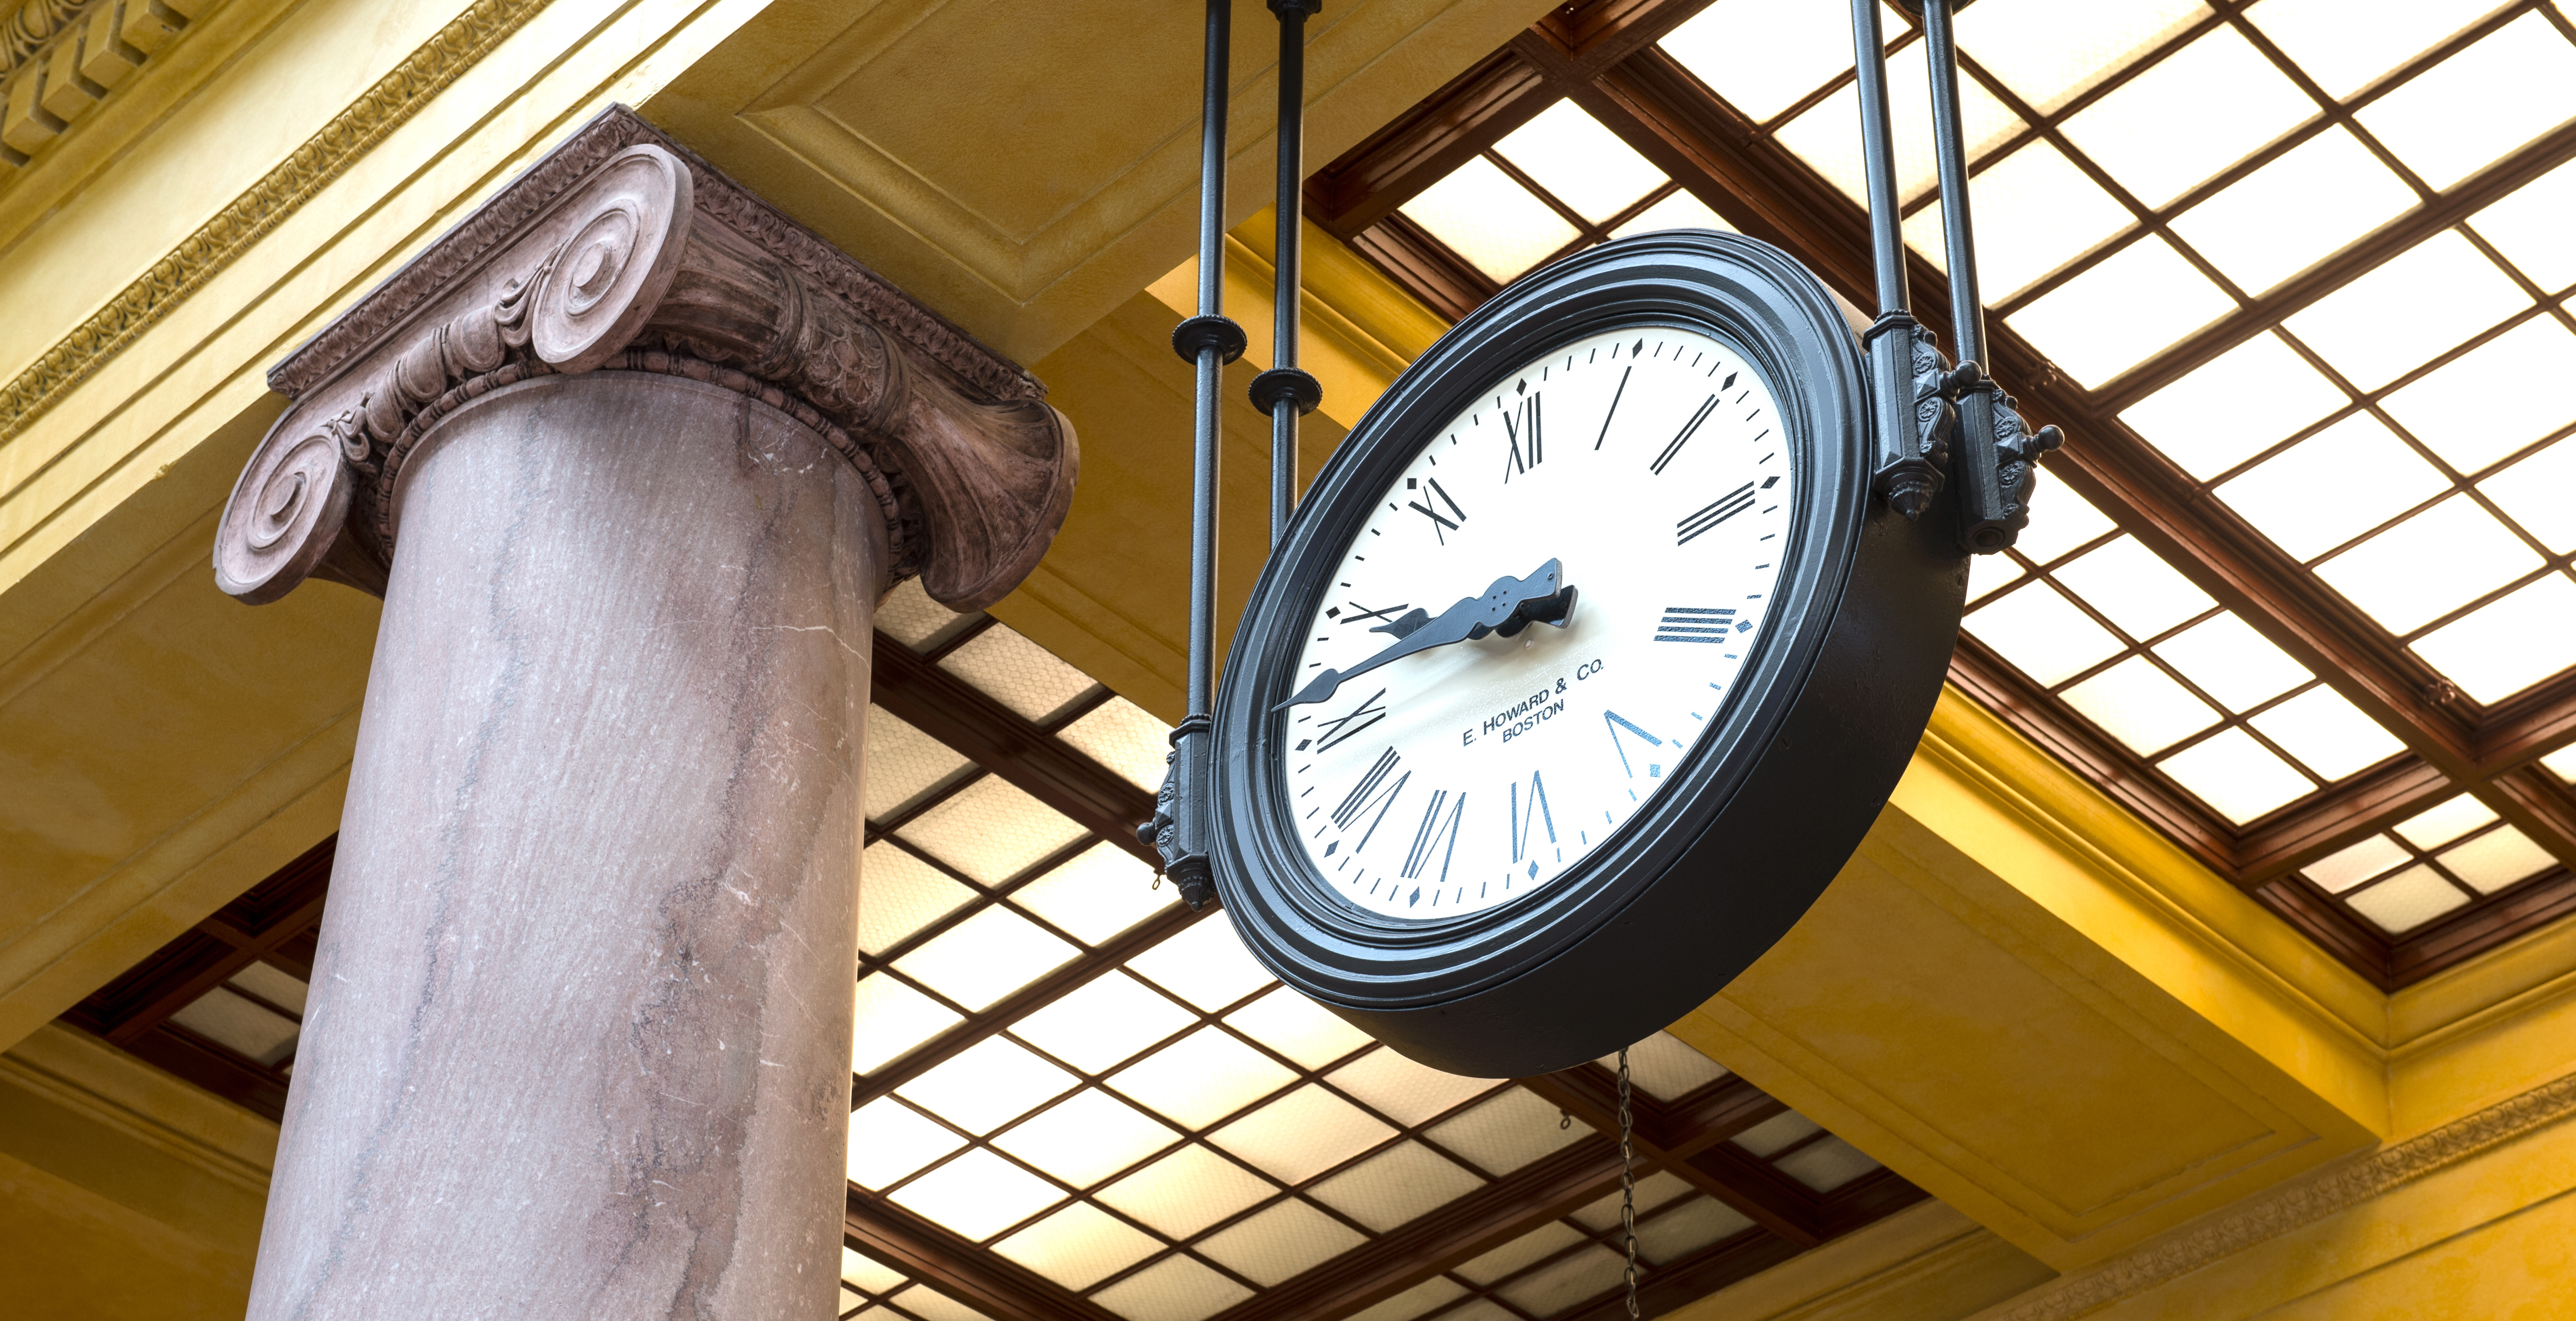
1747 831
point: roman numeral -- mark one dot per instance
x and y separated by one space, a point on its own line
1694 623
1687 428
1429 835
1521 429
1718 511
1619 722
1615 397
1438 524
1521 820
1341 728
1367 793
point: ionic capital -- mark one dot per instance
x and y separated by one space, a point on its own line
622 251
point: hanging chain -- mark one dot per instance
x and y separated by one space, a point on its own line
1627 1182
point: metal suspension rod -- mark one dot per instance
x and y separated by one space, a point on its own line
1285 392
1210 358
1207 342
1907 476
1982 511
1878 161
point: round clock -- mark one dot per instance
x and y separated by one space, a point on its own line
1584 666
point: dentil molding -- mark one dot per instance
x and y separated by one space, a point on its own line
620 250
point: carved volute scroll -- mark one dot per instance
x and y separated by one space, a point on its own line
620 251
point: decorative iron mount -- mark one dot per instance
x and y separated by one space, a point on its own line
1922 403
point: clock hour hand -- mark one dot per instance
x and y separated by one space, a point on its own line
1507 607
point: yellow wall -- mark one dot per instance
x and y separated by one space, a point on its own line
124 1193
2133 1092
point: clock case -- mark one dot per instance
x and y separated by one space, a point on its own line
1759 817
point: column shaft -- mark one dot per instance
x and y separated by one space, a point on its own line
578 1040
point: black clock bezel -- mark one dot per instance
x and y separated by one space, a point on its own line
1819 724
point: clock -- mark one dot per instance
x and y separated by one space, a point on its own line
1584 666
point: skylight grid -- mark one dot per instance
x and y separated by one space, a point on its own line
2433 864
1053 1160
2109 629
1558 184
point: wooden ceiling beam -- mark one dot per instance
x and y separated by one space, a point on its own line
282 909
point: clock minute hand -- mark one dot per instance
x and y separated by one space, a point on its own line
1508 606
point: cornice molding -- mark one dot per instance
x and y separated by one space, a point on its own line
2295 1205
215 245
619 250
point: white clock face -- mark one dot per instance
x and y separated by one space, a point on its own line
1458 775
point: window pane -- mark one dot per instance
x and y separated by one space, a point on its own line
978 1195
2533 493
1173 1289
1186 1191
1298 1028
2509 644
1988 574
2295 211
903 763
2234 406
2035 212
986 957
1201 1078
2114 316
2169 128
1681 210
892 1019
2231 662
1301 1135
1018 673
991 830
1406 1092
2496 398
1205 965
2530 228
1086 1138
2451 120
1396 1185
2501 857
1124 737
2342 870
1280 1243
2141 706
889 1140
900 894
2239 777
2333 486
2041 632
2327 733
1587 166
2345 45
1491 221
2049 52
1827 136
2440 825
1102 1024
2430 564
2408 310
1102 892
2408 900
987 1085
1762 55
1078 1246
2064 522
2133 587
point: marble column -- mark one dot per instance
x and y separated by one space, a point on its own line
630 459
